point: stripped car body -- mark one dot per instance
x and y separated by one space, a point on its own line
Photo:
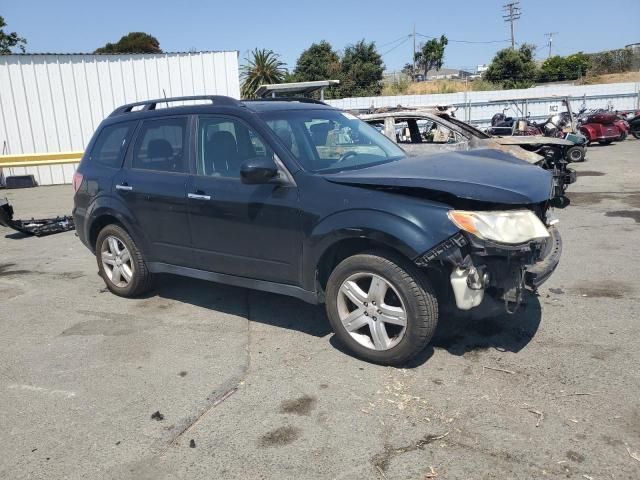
453 134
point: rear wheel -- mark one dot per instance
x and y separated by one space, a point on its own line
120 263
575 154
381 307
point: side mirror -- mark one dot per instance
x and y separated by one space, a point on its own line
258 170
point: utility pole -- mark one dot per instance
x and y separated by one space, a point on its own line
512 13
550 37
414 54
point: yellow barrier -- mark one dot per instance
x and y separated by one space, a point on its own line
39 159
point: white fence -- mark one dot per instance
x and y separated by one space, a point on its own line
537 102
53 103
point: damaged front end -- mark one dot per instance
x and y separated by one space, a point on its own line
38 227
479 266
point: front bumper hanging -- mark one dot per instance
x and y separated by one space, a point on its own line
479 267
38 227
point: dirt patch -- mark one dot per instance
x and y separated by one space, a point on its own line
6 270
603 290
575 456
299 406
382 460
593 198
556 291
111 324
590 173
280 437
633 214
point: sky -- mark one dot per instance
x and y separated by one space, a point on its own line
288 27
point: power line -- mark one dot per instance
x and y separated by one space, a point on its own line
512 13
394 41
398 45
464 41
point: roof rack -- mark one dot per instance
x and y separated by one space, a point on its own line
288 99
151 104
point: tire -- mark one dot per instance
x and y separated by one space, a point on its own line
140 279
622 137
636 134
408 291
575 154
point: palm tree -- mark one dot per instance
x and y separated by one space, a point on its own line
262 67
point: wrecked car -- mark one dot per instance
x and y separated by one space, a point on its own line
435 130
298 198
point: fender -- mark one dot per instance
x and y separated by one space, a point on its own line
407 235
114 207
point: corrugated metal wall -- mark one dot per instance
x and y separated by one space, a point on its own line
479 107
53 103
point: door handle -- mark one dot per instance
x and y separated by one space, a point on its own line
197 196
124 187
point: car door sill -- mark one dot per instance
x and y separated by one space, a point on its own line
266 286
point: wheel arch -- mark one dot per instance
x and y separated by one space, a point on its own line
332 241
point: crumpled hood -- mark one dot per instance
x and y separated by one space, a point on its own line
482 175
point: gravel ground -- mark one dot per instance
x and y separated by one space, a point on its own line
253 386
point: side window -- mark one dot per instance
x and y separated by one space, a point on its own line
111 144
435 132
161 145
225 144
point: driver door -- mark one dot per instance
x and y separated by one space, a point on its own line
237 229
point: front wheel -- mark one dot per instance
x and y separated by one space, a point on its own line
120 263
575 154
381 307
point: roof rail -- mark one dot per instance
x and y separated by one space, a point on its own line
151 104
288 99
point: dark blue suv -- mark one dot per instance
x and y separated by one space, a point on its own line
295 197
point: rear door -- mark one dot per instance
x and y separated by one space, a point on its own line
250 231
153 187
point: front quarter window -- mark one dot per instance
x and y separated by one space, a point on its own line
329 140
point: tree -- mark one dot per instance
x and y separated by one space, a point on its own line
361 70
10 40
262 67
513 68
557 68
318 62
431 54
134 42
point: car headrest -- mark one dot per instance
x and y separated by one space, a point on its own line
159 148
285 135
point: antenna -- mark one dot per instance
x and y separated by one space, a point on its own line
550 37
512 13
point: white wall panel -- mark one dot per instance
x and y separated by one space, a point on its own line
54 103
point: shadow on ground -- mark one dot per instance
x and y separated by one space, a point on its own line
267 308
458 332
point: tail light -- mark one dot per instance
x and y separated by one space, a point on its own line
77 181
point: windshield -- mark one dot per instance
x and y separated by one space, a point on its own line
330 141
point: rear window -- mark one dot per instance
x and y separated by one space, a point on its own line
111 144
161 145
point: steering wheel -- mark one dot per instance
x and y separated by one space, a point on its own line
346 155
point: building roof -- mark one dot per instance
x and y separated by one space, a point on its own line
292 88
30 54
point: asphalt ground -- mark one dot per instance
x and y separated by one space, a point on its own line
253 385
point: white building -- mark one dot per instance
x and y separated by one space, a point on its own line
54 102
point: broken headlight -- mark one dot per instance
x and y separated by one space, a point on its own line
510 226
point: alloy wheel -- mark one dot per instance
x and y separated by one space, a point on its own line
372 311
116 261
